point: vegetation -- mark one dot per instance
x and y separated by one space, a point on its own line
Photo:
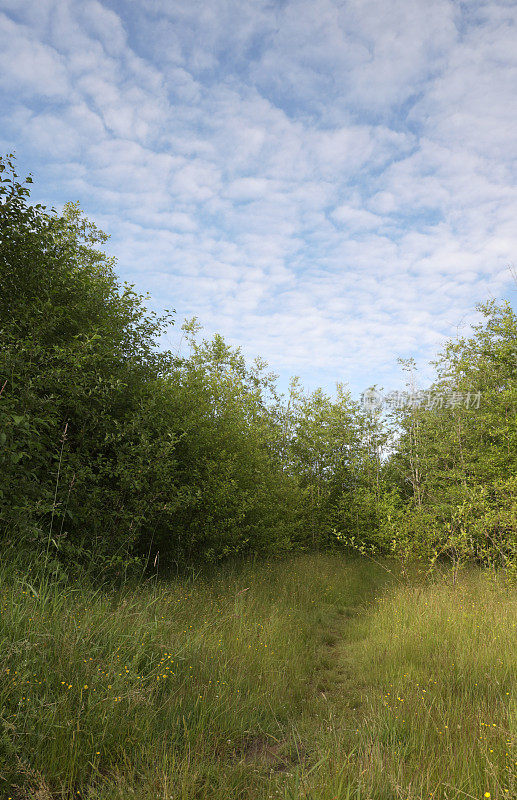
302 678
210 589
114 453
117 455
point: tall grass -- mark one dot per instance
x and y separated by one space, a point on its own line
428 704
167 689
312 677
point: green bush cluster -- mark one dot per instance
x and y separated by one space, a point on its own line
456 466
114 453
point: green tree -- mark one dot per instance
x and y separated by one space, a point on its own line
466 446
78 361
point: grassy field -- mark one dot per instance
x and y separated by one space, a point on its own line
315 677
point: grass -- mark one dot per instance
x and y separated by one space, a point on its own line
429 679
312 677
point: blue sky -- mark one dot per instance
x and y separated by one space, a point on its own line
328 184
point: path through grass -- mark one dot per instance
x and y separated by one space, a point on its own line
314 677
421 701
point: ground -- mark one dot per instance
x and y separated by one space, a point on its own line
315 677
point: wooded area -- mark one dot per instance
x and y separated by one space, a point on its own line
120 456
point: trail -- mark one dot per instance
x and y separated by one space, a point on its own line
341 634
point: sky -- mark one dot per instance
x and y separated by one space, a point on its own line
330 185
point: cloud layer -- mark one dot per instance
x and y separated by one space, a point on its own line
329 184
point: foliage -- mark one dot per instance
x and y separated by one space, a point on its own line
111 449
118 455
456 465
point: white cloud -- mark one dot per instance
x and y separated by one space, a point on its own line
329 184
29 67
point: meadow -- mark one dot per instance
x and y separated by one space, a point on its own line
314 676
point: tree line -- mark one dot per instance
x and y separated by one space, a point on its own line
117 454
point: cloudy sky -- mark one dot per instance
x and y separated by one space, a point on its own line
328 183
